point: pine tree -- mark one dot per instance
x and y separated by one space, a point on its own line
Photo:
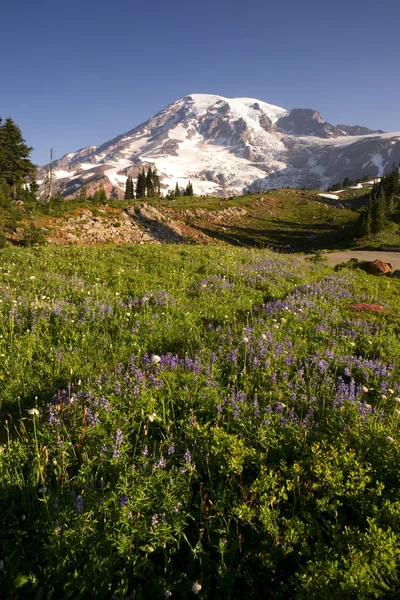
149 183
177 191
129 193
364 224
156 183
15 165
377 212
189 189
100 196
141 185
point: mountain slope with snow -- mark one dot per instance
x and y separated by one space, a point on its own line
228 146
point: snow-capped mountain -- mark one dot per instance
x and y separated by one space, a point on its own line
228 146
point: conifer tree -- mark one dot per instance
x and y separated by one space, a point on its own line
177 191
141 185
156 183
377 212
364 224
149 183
189 189
15 165
129 193
100 196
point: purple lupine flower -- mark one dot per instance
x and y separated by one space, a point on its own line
92 419
117 443
187 457
171 449
145 451
161 463
78 506
154 520
123 500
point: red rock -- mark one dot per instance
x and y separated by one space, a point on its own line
378 267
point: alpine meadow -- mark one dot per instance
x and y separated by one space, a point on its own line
193 401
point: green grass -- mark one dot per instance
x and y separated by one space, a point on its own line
182 421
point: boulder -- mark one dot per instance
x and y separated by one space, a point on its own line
378 267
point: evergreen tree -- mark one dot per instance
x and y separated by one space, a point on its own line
15 165
156 183
129 192
189 189
100 196
149 183
364 224
141 185
377 212
177 191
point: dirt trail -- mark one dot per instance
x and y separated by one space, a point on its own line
393 258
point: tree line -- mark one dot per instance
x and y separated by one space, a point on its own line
148 186
383 201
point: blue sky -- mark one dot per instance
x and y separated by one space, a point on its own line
79 73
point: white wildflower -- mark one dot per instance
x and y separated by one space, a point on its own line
389 439
152 417
364 389
390 391
42 490
155 359
246 340
167 594
264 337
196 587
33 412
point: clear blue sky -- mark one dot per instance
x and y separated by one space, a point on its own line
81 72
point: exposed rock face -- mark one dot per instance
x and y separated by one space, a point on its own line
229 145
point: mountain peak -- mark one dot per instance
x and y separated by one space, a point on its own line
229 145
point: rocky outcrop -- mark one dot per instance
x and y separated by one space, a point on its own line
87 229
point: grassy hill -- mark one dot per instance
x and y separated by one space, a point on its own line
283 219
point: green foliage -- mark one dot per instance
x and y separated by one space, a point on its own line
82 194
100 196
15 165
177 191
189 189
141 185
34 236
196 419
129 192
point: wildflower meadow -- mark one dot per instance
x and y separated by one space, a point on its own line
185 421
